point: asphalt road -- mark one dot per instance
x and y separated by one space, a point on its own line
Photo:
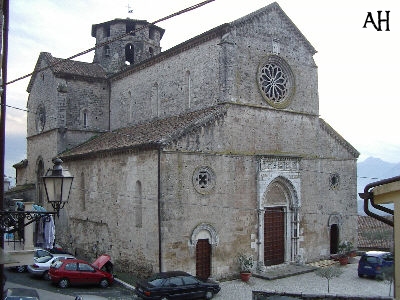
49 291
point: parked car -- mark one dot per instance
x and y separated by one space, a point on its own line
42 264
176 285
68 272
39 252
90 297
373 263
21 294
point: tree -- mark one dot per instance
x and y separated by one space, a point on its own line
387 276
328 273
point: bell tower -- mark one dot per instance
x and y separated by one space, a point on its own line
142 42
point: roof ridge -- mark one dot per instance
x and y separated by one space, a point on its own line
152 134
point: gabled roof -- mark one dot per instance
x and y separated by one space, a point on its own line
333 133
218 31
275 6
60 66
149 135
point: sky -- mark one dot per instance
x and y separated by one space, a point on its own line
357 67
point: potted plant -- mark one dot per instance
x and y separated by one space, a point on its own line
246 263
344 250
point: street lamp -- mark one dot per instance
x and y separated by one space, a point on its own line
57 183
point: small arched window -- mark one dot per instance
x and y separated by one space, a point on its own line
151 51
107 51
129 54
107 30
85 118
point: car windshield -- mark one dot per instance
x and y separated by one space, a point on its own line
57 264
156 282
43 259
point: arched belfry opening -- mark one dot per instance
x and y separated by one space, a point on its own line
129 54
278 211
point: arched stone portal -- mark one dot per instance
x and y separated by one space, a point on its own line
203 239
278 211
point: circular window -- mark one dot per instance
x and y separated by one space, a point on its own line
203 180
276 81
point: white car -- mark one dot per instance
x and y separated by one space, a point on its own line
42 264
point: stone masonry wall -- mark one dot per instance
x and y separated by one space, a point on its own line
113 210
163 90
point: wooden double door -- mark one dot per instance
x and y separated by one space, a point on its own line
203 259
274 236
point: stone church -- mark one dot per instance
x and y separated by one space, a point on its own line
184 158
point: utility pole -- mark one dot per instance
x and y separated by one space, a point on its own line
4 54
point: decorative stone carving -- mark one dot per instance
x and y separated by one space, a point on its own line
203 180
204 230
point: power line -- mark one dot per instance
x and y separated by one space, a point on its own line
193 7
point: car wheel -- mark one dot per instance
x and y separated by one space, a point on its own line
46 275
209 295
104 283
21 269
360 275
64 283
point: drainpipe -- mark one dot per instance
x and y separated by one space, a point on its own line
368 196
159 210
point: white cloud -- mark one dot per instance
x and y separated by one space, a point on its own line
357 66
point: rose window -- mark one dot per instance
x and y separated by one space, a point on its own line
273 82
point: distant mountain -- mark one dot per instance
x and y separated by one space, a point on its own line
371 170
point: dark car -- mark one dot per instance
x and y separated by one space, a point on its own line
176 285
373 263
68 272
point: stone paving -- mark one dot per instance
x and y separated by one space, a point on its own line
347 284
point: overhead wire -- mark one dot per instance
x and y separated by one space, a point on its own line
185 10
193 7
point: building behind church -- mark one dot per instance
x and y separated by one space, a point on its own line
184 158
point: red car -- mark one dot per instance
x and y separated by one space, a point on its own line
68 272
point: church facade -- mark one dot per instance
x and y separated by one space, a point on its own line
184 158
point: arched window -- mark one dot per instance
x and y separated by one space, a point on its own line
129 54
152 33
138 204
39 181
107 51
82 194
130 28
151 51
188 89
107 30
85 118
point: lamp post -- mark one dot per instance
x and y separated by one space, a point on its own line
57 183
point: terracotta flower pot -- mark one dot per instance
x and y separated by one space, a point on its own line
344 260
245 276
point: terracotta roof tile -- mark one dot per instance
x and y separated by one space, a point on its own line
149 134
67 67
374 234
73 67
